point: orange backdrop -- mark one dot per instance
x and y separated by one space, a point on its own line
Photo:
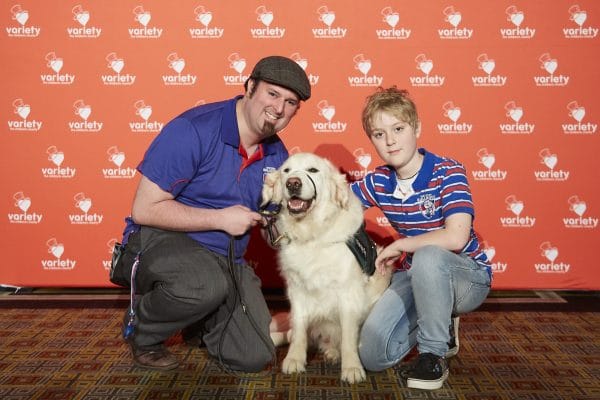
507 88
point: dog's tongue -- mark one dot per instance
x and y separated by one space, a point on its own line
298 205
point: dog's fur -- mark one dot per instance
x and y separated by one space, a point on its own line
329 294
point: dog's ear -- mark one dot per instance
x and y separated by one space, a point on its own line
272 189
341 190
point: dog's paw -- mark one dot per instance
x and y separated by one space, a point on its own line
331 355
353 374
292 365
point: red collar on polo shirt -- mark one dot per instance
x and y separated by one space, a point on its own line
257 155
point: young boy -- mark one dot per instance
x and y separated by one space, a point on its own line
445 272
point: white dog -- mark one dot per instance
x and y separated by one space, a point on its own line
330 295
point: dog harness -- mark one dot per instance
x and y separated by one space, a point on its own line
363 248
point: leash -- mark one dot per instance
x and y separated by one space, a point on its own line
129 328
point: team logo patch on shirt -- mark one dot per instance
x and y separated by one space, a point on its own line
427 205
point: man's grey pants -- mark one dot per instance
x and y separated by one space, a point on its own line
179 283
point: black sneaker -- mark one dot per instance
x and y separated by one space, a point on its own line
428 372
453 343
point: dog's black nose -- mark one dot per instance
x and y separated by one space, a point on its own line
293 185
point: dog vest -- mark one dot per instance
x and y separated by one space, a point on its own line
363 248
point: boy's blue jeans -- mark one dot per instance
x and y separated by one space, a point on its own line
418 307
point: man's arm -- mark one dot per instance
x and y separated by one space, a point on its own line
152 206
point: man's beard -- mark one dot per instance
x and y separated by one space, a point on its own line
268 129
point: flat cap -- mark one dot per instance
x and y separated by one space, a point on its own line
284 72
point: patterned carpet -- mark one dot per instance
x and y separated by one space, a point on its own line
74 351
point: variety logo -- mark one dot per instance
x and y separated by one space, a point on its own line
56 78
363 160
383 221
454 18
516 220
579 17
488 160
23 110
116 65
267 32
490 253
487 66
330 31
23 216
84 111
303 63
83 31
516 17
453 113
550 253
144 111
205 17
237 64
84 204
143 17
117 157
177 64
108 261
364 65
327 111
579 127
391 18
515 126
550 160
579 207
57 250
550 65
22 29
57 170
425 65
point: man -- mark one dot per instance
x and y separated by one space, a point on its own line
196 202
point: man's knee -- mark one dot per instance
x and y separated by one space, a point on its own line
426 260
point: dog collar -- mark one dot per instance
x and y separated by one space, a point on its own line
364 250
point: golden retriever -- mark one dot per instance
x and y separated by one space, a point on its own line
329 294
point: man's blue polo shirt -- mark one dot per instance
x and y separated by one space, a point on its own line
197 158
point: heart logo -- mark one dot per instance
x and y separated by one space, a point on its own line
364 66
266 18
85 205
550 66
83 18
517 207
22 17
453 114
426 66
118 159
579 208
303 63
145 112
144 18
239 66
392 19
454 19
488 66
517 18
24 204
57 158
551 254
328 112
488 160
328 18
551 161
23 111
178 65
578 114
364 160
117 65
84 112
490 253
58 250
205 18
579 17
516 114
56 65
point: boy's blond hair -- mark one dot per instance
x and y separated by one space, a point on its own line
394 101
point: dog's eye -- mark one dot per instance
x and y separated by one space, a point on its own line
313 170
286 170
